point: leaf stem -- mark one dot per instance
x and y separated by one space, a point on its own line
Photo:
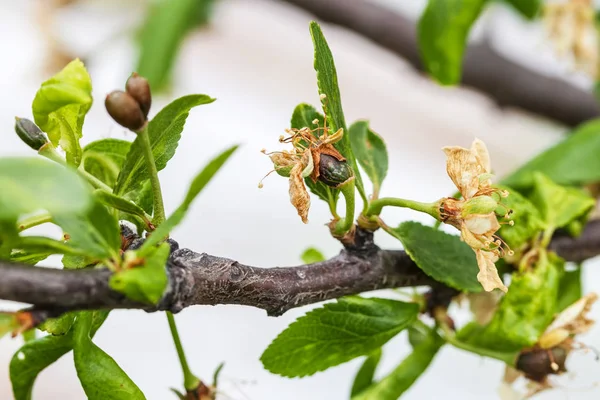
159 208
343 225
32 221
50 153
190 381
377 205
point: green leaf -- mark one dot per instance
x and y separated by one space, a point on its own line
312 255
164 132
302 117
370 151
120 203
528 222
336 333
528 8
572 162
442 33
404 375
569 289
560 205
327 82
364 377
34 184
163 32
145 283
58 326
60 106
524 312
442 256
199 182
33 357
35 245
8 323
29 256
95 233
76 261
104 159
100 376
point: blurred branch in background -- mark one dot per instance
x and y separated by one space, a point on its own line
508 83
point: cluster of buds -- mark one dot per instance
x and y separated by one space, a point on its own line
130 108
312 155
571 28
475 215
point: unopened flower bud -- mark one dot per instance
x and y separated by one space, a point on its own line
138 87
125 110
479 205
333 172
30 133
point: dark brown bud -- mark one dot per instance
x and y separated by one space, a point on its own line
539 363
332 172
125 110
30 134
138 87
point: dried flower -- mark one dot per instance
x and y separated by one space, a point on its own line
475 214
571 28
304 160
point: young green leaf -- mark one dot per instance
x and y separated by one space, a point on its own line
76 261
60 106
95 233
100 376
33 357
442 256
528 8
104 159
199 182
569 289
443 31
29 256
524 312
370 151
7 323
164 132
572 162
336 333
42 245
121 204
34 184
145 283
312 255
410 369
303 116
560 205
364 377
58 326
165 28
327 82
528 222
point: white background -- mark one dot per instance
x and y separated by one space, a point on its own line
256 58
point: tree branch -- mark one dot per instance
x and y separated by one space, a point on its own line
202 279
508 83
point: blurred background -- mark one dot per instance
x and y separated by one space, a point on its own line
255 57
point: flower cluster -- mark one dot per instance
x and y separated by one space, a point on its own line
572 29
312 155
475 214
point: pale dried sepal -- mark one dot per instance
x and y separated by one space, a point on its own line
511 374
299 196
483 156
482 224
483 305
573 318
488 274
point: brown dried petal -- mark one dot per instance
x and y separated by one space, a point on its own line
464 166
488 274
299 196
